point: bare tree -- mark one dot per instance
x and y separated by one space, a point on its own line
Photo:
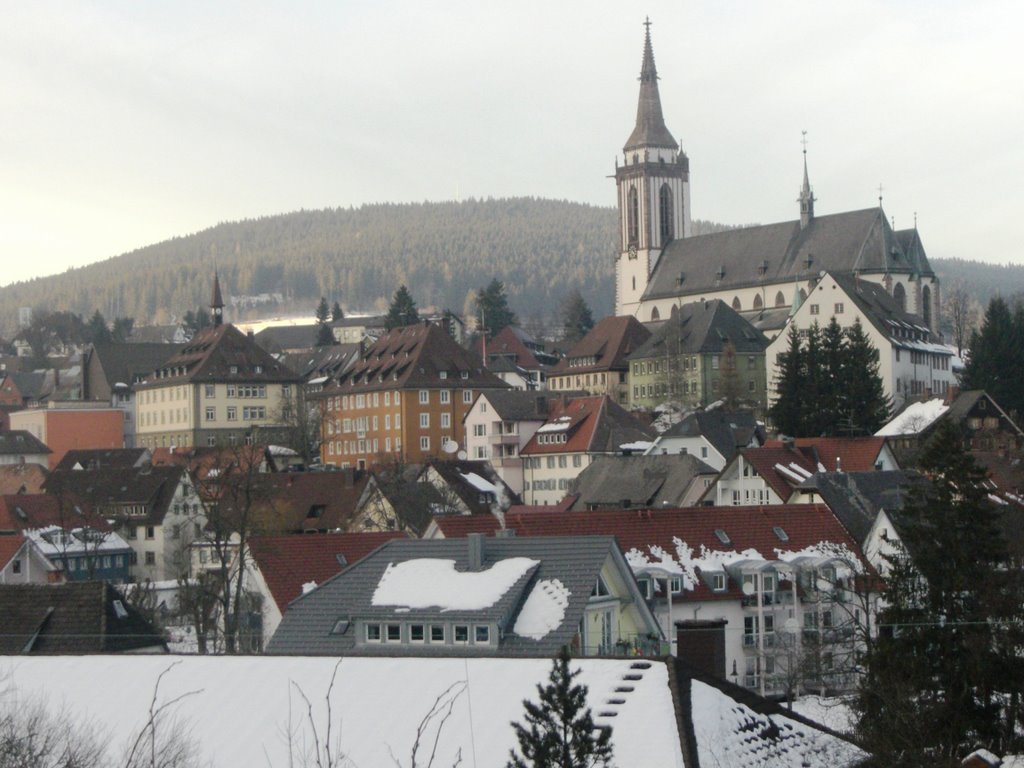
298 423
962 314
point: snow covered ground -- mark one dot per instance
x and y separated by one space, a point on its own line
245 707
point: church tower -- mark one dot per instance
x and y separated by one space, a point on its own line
653 185
216 302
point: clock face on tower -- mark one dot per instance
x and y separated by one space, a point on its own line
632 250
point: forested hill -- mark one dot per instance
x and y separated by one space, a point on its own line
541 249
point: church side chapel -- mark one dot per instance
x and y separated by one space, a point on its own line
763 272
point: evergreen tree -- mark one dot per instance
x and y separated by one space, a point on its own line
336 313
996 359
812 423
493 309
322 311
577 318
865 406
832 400
122 329
402 310
560 731
944 673
324 335
786 411
194 322
98 332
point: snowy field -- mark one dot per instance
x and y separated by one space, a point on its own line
245 707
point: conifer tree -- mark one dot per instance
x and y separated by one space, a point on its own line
336 313
577 319
97 330
832 398
402 310
786 411
996 359
865 406
324 335
812 423
493 309
944 673
559 730
322 311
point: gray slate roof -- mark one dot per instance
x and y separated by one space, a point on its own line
645 481
727 431
880 308
20 442
856 497
575 561
778 253
703 327
131 362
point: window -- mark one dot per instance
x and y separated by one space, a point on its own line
815 309
424 420
461 633
562 461
151 558
577 460
211 413
437 633
416 633
394 633
150 532
467 395
482 633
211 390
373 633
446 396
646 589
132 532
424 443
446 420
231 390
714 362
551 462
676 584
479 430
424 397
16 566
665 214
718 582
839 308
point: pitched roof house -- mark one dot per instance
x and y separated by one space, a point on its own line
641 482
21 562
475 596
523 355
575 432
713 436
79 618
765 475
846 454
21 447
597 363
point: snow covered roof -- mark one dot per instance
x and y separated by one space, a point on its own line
435 583
376 709
915 418
54 541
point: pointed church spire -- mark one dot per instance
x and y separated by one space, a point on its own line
806 196
650 130
216 302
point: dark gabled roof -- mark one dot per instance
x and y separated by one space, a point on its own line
288 561
31 384
521 405
880 308
103 458
327 361
595 424
643 481
610 342
847 454
152 486
73 618
28 511
279 337
359 321
727 431
575 561
778 253
131 362
313 501
966 401
910 241
415 356
211 356
20 442
703 327
515 345
856 497
458 474
767 461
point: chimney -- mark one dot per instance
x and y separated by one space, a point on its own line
475 553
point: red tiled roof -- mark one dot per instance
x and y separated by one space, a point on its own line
507 342
580 415
289 561
315 501
853 454
9 547
23 511
805 525
765 459
610 342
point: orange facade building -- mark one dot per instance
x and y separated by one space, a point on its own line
64 429
404 399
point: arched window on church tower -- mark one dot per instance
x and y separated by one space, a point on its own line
758 304
632 216
665 214
780 300
900 294
926 305
736 303
655 315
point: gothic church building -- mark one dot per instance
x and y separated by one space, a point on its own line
763 272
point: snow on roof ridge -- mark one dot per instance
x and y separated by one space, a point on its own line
790 473
434 583
799 470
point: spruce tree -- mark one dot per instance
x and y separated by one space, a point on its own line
324 335
493 309
559 730
322 311
865 404
833 396
577 319
336 313
944 673
97 330
402 310
785 412
996 359
812 421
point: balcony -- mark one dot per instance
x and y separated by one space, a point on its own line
768 599
504 438
633 645
750 640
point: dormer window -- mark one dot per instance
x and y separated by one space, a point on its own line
780 533
257 369
718 582
233 369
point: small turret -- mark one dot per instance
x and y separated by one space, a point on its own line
216 302
806 195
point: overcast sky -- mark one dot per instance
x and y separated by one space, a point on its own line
126 123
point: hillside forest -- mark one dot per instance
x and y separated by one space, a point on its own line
542 250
